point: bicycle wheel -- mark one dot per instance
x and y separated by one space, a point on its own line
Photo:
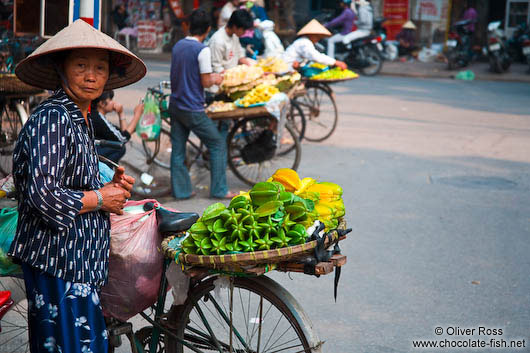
265 318
12 117
254 153
159 151
14 336
320 111
296 118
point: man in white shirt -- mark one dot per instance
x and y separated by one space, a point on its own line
303 49
227 11
224 44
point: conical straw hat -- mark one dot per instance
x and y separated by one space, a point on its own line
409 25
314 27
39 68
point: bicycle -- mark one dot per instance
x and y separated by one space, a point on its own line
13 115
222 312
319 108
245 159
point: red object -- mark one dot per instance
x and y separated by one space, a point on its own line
88 20
5 295
526 43
492 40
397 13
5 303
195 4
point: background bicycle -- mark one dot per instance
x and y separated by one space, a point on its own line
15 99
255 147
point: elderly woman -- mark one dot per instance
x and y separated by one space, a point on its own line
62 236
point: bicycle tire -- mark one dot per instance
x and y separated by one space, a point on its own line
280 326
13 115
247 131
14 337
296 118
320 112
159 150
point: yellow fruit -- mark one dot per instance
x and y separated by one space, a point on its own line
288 178
304 184
325 191
324 211
335 74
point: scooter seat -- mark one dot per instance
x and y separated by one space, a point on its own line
172 222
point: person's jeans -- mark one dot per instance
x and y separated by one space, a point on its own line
182 122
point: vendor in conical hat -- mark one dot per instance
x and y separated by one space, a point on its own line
303 48
63 231
406 39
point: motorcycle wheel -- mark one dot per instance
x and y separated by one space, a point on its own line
495 64
375 62
506 62
452 60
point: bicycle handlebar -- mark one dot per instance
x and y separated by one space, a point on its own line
155 91
107 143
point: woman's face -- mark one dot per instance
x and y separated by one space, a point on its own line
87 72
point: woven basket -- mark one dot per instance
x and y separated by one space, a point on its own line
10 84
233 262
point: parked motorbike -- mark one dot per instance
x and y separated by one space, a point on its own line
362 54
498 56
459 53
389 50
518 45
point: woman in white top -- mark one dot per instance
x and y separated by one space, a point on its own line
304 49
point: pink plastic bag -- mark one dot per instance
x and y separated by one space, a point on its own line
135 263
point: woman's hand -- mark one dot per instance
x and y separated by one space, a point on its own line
117 107
123 180
341 64
139 109
114 198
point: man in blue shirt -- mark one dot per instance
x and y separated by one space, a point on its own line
344 21
191 72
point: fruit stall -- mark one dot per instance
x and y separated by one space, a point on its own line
285 224
246 90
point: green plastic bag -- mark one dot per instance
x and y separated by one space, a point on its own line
149 125
8 227
466 75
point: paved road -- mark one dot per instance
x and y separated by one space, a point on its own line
436 180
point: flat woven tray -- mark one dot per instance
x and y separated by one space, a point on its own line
232 262
333 81
10 84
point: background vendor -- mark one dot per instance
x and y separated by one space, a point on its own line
303 49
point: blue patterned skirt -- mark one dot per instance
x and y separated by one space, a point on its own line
63 317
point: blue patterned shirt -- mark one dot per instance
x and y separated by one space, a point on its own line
54 161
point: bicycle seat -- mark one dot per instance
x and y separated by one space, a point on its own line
172 222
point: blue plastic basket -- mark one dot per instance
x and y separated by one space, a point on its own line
308 71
